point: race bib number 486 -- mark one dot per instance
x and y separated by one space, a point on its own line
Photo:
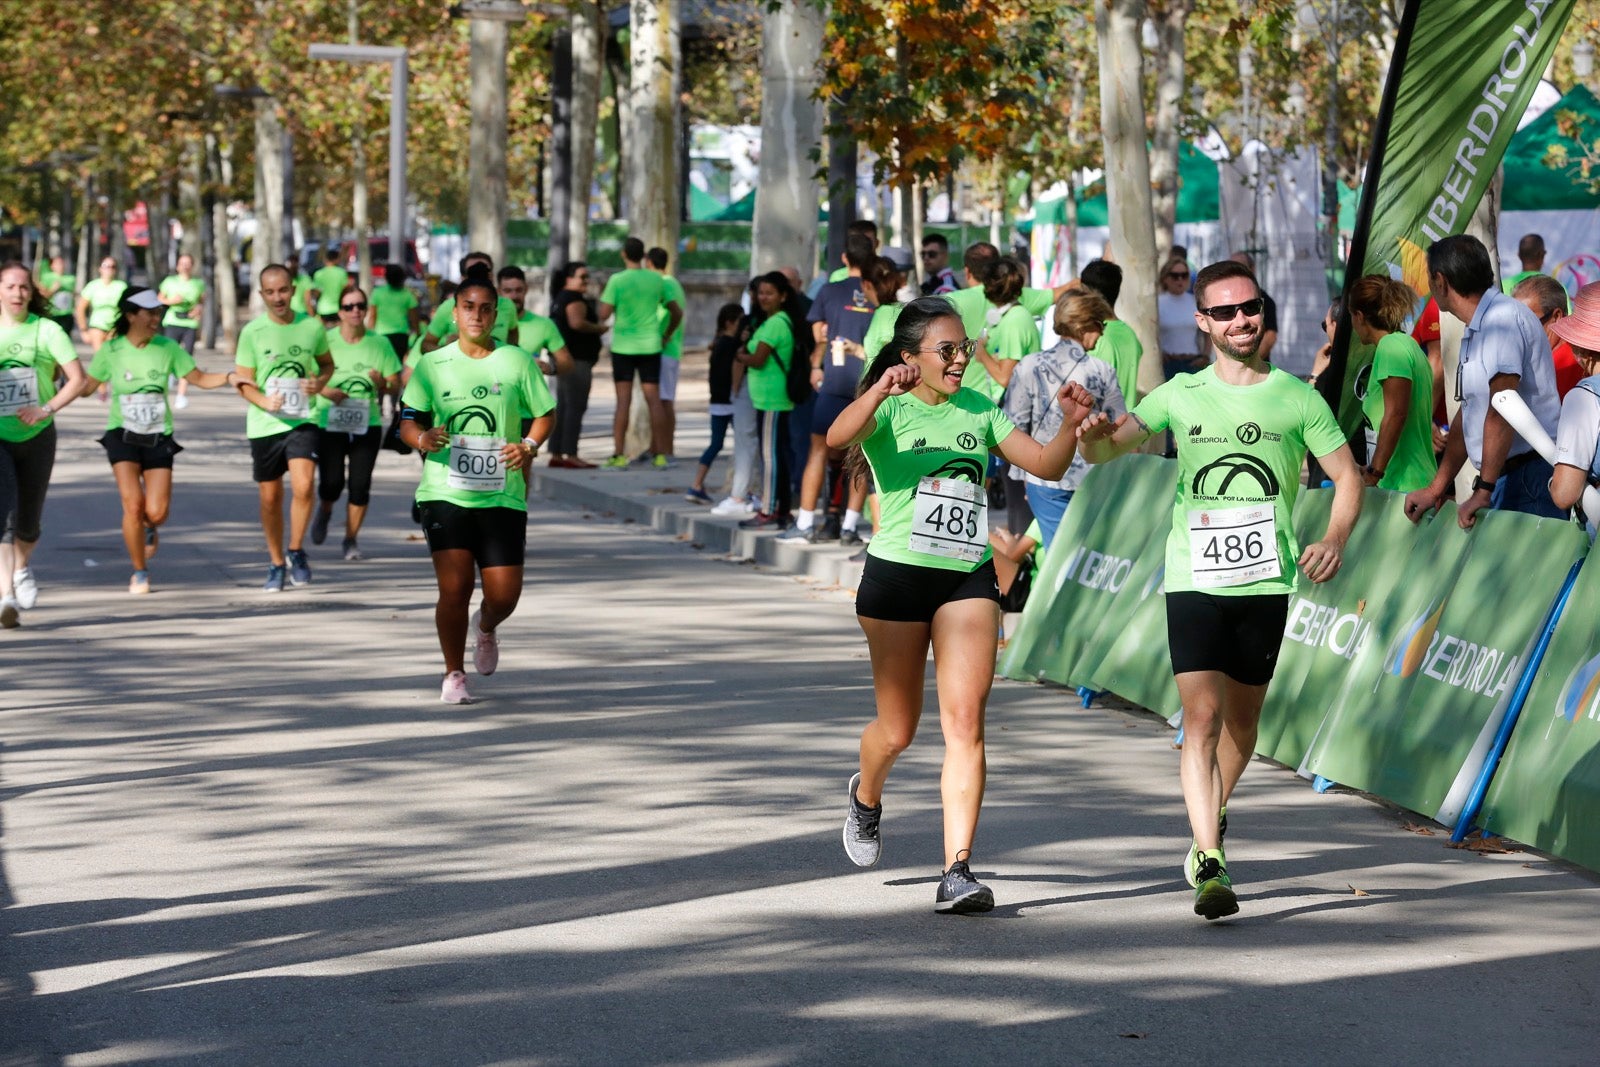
950 518
1233 546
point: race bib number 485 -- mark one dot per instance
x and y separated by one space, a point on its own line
950 518
475 464
1233 546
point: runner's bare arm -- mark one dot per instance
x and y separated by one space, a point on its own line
856 422
1321 561
1420 502
244 379
1100 440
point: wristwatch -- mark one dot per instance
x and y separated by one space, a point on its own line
1376 472
1478 483
531 443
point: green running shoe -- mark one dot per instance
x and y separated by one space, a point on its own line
615 463
1213 896
1191 862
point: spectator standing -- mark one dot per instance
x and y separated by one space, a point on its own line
1180 339
1009 331
1530 252
633 295
724 348
1578 434
1030 400
1547 299
1119 345
1503 348
1398 405
671 347
937 277
768 357
578 320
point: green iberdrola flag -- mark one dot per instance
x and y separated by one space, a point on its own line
1461 78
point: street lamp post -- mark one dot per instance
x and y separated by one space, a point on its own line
396 58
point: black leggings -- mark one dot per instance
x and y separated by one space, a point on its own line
25 468
363 452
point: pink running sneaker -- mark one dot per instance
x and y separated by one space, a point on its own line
455 689
486 646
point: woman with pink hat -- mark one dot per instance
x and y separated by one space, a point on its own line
1578 435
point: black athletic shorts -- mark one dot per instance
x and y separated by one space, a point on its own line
156 455
1237 635
496 537
625 367
270 456
905 592
184 335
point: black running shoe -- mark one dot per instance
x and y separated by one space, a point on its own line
960 893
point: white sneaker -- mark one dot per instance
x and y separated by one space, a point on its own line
732 506
9 615
27 590
180 402
486 646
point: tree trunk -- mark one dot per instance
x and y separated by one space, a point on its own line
1133 237
486 167
650 138
158 209
843 156
269 238
785 230
358 168
224 294
1170 20
588 61
117 246
560 152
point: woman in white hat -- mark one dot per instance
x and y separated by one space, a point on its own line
1578 435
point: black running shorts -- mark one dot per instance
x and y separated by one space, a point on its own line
270 456
496 537
904 592
1237 635
624 367
153 456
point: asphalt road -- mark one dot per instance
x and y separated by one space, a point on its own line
240 829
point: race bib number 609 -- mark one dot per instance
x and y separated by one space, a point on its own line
475 463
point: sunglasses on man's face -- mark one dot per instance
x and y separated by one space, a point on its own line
1228 312
352 307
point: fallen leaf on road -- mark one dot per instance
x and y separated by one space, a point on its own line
1487 845
415 537
1357 892
1131 1034
697 546
1426 831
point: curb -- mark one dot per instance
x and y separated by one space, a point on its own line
625 497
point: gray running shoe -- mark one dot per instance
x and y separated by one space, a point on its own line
319 526
276 573
960 893
862 841
352 551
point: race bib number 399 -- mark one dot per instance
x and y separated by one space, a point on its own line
950 518
1233 546
475 464
19 388
353 414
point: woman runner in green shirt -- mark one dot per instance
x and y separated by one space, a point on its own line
136 362
472 501
930 579
33 350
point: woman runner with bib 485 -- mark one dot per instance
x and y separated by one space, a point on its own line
929 577
472 500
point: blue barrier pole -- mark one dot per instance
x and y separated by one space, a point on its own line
1519 697
1087 694
1321 784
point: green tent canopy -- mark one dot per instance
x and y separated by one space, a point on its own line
1199 195
1532 185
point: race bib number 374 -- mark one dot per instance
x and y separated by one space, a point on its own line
1233 546
19 388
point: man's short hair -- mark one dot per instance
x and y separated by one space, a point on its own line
1543 290
331 254
1221 272
1464 262
1105 278
859 250
472 257
261 279
865 227
978 258
633 250
939 239
1245 258
658 258
512 273
1530 247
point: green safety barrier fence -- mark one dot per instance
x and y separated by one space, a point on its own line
1445 648
1546 791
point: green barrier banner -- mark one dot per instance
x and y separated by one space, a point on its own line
1104 538
1328 622
1433 675
1129 656
1547 790
1462 74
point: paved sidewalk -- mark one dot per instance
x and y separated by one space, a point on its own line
238 828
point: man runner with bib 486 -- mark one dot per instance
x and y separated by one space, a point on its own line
1243 429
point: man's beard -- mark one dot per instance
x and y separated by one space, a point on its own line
1243 355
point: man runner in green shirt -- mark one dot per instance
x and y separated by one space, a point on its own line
1242 429
184 295
326 285
282 362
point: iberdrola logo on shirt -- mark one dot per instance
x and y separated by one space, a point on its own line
470 417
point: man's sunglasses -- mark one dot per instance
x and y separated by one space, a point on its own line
352 307
1227 312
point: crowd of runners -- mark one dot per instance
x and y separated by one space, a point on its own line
868 394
